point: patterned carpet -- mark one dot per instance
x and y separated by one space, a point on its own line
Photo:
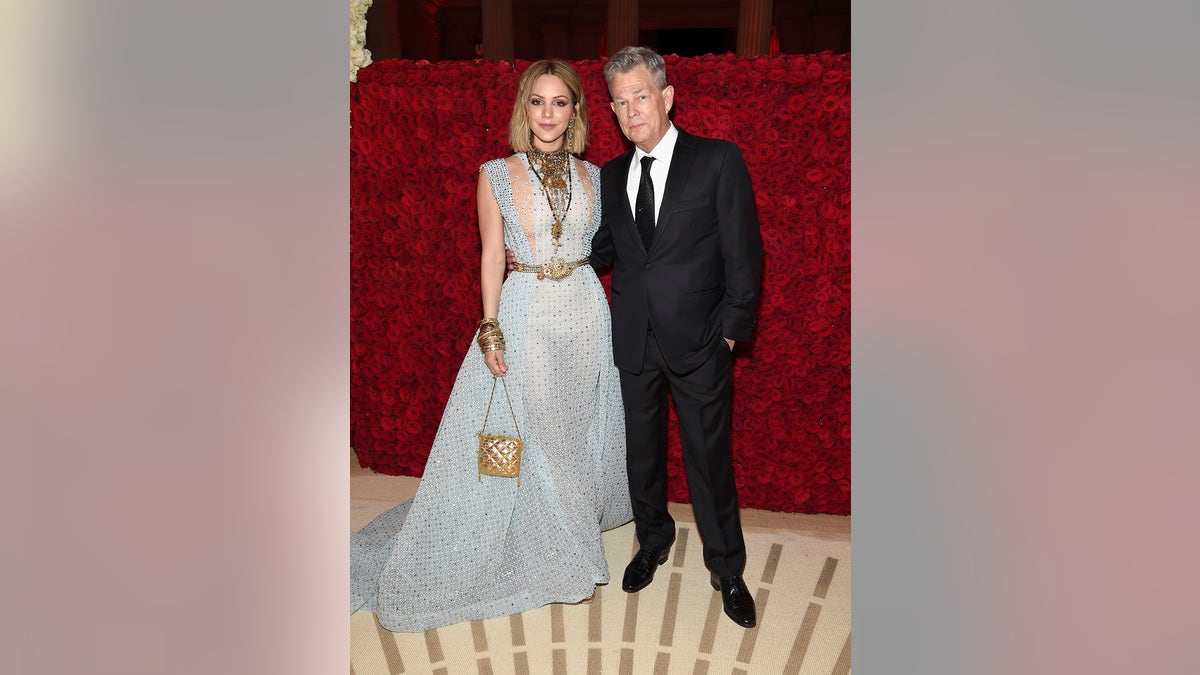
798 570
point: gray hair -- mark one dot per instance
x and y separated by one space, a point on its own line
628 58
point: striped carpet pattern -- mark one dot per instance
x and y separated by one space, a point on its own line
799 574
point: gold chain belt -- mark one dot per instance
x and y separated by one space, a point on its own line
555 268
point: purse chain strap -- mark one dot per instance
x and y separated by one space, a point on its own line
510 408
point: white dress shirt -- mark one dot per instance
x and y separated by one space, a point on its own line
662 154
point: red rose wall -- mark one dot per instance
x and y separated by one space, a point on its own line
419 132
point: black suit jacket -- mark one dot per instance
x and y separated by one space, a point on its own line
699 281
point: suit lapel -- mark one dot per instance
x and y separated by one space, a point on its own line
624 212
682 160
625 209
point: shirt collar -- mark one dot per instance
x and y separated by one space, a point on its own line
663 151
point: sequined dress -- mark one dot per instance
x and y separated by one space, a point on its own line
461 549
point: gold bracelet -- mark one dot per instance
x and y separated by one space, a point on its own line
493 331
490 338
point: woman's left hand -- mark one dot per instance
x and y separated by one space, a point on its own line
495 362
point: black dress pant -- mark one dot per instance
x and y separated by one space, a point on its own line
702 403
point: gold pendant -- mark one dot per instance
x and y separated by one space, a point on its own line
556 229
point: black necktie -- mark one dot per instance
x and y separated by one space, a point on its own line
643 210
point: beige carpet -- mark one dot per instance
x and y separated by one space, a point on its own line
798 569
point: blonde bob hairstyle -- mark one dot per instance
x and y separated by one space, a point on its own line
520 138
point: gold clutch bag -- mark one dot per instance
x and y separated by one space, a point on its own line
500 455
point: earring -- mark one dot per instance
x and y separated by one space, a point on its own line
569 143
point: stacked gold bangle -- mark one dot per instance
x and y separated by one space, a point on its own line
490 336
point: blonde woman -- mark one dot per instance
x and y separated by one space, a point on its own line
474 547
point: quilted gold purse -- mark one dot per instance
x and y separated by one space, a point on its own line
500 455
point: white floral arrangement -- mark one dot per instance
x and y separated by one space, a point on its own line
360 56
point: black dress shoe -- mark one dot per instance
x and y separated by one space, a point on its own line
640 571
739 604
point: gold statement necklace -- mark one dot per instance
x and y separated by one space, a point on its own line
553 170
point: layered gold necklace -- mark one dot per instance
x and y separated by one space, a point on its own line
553 170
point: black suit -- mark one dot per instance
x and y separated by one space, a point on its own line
671 308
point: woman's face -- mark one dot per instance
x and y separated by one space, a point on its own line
549 108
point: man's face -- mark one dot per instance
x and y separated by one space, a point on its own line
641 108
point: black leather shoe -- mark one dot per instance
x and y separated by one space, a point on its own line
739 604
640 571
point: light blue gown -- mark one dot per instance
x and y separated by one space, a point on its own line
462 549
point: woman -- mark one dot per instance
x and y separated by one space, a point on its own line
474 547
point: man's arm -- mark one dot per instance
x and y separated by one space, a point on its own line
741 246
603 251
602 246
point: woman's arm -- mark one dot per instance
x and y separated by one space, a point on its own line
491 263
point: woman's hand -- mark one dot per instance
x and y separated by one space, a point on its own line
495 362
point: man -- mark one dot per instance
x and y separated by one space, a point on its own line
681 233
